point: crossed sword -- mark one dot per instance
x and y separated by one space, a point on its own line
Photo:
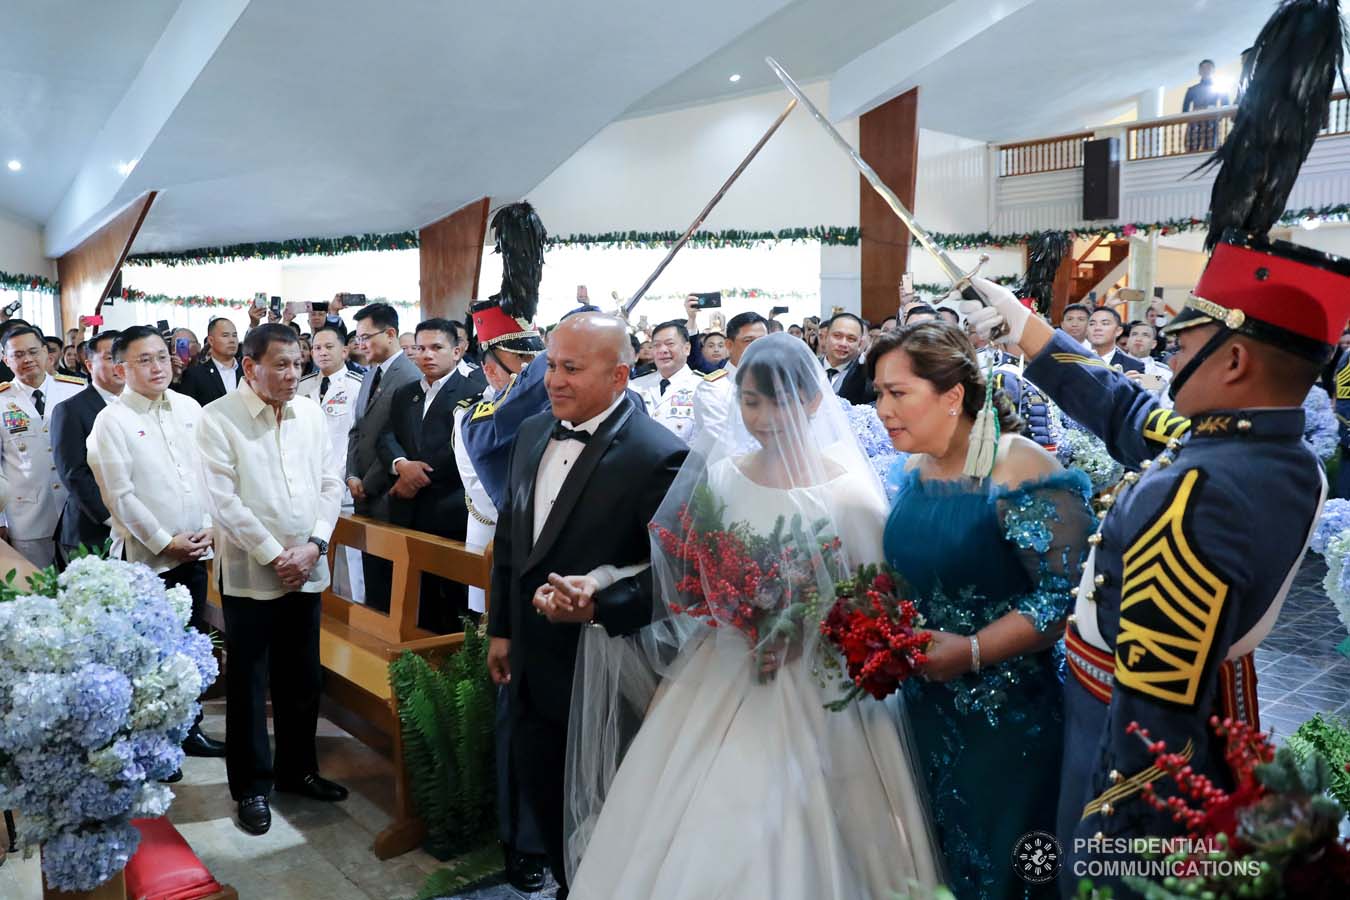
960 280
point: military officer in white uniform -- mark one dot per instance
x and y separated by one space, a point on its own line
713 398
669 391
31 494
335 388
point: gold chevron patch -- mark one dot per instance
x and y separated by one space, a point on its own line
1169 609
1163 425
1078 359
1343 382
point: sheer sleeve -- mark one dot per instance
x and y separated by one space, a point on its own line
1048 521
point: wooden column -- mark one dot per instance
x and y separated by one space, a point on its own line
888 138
87 272
450 256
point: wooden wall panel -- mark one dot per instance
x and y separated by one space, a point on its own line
87 272
450 256
888 138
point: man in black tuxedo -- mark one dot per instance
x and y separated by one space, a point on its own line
842 358
218 374
583 483
84 518
417 445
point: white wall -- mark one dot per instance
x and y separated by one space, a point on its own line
656 172
21 248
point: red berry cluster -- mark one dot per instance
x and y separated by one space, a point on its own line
1246 748
724 582
875 633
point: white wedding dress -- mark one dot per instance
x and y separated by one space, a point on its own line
736 789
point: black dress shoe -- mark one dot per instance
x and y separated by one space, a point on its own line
315 788
198 744
173 779
525 872
255 815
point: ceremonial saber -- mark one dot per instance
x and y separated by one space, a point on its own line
960 280
726 185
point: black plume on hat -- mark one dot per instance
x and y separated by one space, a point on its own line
1289 74
520 238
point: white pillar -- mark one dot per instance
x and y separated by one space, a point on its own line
1150 103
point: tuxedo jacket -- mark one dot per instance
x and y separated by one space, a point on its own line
202 382
1125 362
84 514
372 414
439 507
854 386
599 517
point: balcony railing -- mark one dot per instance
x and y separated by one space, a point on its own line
1182 135
1045 155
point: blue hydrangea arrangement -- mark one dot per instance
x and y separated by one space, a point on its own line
1331 538
872 435
99 680
1320 428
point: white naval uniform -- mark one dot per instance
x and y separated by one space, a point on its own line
31 494
482 523
675 408
339 412
712 407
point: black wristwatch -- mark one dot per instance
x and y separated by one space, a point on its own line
321 544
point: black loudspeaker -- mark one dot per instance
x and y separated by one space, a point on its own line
1101 179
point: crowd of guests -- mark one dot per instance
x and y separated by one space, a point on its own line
268 438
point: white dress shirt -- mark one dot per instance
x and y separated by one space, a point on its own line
270 487
144 456
431 389
227 376
554 467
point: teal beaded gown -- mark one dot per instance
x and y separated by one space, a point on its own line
990 743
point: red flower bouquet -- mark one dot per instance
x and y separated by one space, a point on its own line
729 576
874 630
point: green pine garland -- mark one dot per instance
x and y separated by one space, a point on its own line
447 716
131 295
834 235
27 283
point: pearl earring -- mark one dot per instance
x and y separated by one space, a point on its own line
951 412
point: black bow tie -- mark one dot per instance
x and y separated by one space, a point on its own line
562 433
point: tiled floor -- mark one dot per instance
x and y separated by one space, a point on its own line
1299 671
319 851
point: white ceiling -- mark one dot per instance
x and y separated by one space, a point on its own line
64 66
811 38
271 119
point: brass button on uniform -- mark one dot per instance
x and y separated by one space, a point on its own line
1100 580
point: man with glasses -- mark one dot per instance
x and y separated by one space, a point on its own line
84 520
143 455
368 478
31 494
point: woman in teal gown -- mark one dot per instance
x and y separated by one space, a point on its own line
992 564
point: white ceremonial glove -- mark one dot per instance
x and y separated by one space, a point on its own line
1004 309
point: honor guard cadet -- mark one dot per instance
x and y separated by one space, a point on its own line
1341 402
1196 554
669 391
31 494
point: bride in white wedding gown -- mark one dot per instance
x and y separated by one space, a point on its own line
737 784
